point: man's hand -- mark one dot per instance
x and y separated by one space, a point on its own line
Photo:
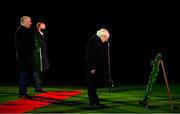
93 71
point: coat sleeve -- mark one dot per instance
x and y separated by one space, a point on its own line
91 55
37 51
37 41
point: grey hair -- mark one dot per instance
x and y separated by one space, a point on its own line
38 24
101 32
22 19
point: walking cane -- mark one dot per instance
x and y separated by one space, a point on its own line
109 70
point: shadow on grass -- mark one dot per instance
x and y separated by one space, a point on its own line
94 107
119 89
70 103
8 93
81 105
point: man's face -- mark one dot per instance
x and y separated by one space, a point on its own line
43 26
105 37
27 22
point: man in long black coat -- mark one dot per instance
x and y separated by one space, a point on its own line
96 62
24 42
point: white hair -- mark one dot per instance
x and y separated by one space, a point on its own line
23 18
102 32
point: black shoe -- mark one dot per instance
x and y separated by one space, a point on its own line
96 105
25 96
91 105
143 103
100 105
39 90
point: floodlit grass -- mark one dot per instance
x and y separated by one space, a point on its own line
122 99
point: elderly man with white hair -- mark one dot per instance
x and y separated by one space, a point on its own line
24 42
96 64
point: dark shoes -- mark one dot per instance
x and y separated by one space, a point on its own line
96 105
25 96
143 103
39 90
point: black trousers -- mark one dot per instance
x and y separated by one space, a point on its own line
92 84
38 77
24 80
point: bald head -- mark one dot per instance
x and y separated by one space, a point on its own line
26 21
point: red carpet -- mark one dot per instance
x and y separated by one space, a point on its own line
37 101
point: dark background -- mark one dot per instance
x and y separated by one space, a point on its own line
135 41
